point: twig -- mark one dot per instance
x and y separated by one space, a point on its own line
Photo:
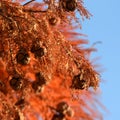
97 42
5 16
28 2
30 10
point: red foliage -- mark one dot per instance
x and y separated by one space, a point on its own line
43 73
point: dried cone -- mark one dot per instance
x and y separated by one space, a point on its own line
62 107
68 5
22 57
58 117
37 52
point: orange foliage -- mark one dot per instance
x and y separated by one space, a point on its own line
43 73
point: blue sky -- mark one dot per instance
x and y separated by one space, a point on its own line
104 26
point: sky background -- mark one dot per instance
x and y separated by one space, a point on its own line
104 26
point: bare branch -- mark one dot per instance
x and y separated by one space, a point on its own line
28 2
31 10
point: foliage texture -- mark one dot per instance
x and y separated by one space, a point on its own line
44 74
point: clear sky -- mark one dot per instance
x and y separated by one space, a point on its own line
105 26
